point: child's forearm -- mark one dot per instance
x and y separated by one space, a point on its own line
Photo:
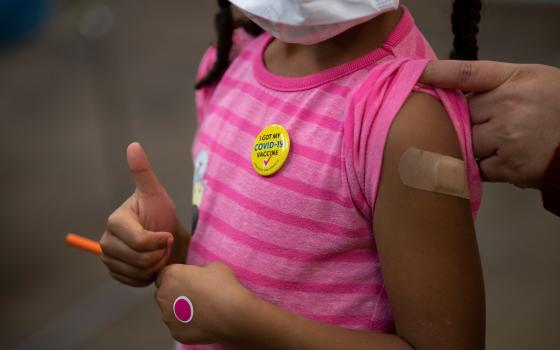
181 241
266 326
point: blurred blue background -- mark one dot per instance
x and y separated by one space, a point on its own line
19 19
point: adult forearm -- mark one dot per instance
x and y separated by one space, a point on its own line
265 326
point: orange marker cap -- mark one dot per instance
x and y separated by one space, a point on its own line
83 243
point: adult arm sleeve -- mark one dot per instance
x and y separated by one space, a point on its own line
551 185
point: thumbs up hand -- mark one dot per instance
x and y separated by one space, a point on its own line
138 240
154 207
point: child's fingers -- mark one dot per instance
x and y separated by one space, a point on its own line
145 241
139 165
163 262
125 226
116 249
131 272
128 281
124 219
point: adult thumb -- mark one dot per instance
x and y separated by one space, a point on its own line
138 164
470 76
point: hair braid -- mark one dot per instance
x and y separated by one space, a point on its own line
251 28
225 25
464 21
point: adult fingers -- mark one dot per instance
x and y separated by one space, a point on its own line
472 76
115 248
493 169
485 143
483 106
125 226
139 165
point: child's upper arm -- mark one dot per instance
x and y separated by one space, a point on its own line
426 241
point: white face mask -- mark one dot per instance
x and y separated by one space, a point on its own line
311 21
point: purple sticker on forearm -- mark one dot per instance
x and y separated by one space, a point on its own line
183 309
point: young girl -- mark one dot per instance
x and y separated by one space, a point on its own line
306 236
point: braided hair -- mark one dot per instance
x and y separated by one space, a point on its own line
464 21
225 26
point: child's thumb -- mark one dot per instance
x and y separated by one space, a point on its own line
146 181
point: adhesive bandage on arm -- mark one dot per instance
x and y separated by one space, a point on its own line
434 172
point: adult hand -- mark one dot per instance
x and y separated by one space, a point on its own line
138 240
219 302
515 111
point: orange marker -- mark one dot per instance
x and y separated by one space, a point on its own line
83 243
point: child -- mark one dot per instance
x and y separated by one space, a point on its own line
298 190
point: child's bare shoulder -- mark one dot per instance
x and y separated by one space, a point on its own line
424 123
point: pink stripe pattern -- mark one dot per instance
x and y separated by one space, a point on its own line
295 185
289 253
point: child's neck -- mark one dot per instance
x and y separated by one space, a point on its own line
293 60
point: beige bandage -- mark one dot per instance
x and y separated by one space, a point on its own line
434 172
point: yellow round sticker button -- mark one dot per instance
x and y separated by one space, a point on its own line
270 150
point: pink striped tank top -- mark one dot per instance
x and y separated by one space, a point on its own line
302 238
